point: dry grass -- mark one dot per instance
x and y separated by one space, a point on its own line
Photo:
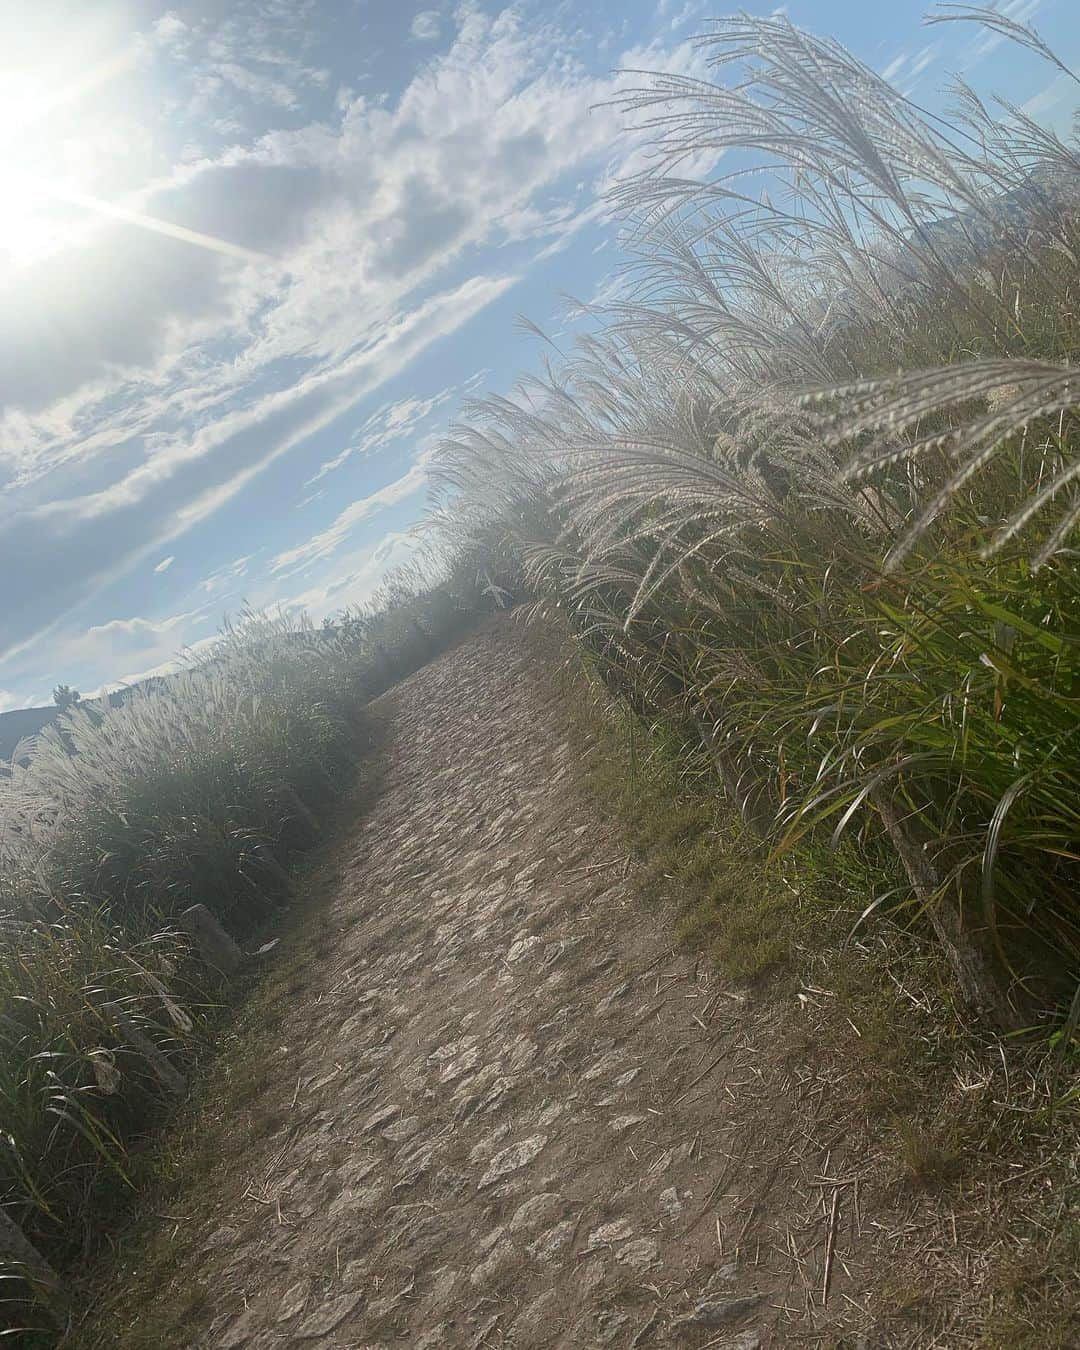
956 1182
860 584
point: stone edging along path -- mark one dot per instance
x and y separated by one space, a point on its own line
517 1119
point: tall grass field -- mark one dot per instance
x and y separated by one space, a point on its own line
197 790
809 484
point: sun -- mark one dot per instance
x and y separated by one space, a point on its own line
28 228
53 124
39 155
24 196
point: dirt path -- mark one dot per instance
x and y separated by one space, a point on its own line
500 1110
506 1132
497 1109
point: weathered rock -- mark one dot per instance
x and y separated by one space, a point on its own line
554 1242
536 1212
380 1118
623 1123
294 1300
443 1284
606 1006
640 1254
502 1257
401 1130
511 1159
435 1338
610 1325
328 1316
721 1312
670 1204
618 1230
537 1324
745 1340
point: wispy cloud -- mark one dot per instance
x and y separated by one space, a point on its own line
388 423
427 26
185 374
328 541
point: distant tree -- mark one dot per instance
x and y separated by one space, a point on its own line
65 697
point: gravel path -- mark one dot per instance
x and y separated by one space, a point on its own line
508 1133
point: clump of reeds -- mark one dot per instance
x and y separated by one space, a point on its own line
856 584
197 789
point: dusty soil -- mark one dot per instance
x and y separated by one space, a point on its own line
522 1118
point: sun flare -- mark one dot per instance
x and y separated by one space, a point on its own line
53 187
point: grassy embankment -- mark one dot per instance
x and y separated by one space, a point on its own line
117 820
955 1134
855 587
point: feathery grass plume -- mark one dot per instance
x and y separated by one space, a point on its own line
783 487
197 788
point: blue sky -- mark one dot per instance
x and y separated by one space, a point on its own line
254 253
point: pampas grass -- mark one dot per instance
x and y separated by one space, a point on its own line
809 481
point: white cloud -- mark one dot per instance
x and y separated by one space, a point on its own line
328 541
131 649
165 564
187 481
924 59
427 26
226 576
359 578
895 66
178 658
170 30
388 423
167 398
1054 105
987 41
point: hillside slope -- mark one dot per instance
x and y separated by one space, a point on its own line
499 1109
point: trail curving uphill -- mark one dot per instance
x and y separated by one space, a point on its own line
501 1110
497 1138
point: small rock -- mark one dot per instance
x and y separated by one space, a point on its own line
460 1066
241 1331
511 1159
224 1237
603 1066
720 1312
381 1308
533 1327
293 1300
443 1284
536 1212
380 1118
744 1340
639 1255
550 1114
486 1146
606 1006
324 1319
608 1234
670 1204
502 1257
485 1244
608 1326
435 1339
523 1053
548 1246
402 1129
